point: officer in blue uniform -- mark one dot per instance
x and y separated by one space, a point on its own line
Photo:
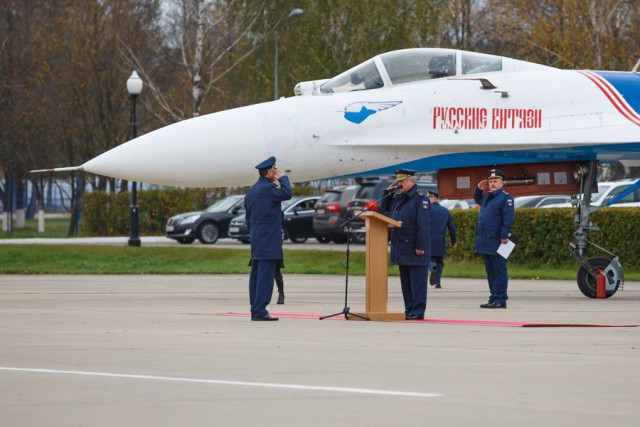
495 220
264 219
441 221
410 244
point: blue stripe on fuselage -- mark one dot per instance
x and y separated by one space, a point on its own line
608 152
626 83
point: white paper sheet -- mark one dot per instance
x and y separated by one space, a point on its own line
505 249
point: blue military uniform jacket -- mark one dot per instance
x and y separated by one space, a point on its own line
441 220
412 208
495 220
264 217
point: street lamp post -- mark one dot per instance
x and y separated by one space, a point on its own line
294 12
134 87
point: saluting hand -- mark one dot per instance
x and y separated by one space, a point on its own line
483 185
279 173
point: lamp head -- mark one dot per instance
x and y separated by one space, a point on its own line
134 84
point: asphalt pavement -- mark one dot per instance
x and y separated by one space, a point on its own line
179 350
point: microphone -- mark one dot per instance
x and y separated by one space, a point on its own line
393 187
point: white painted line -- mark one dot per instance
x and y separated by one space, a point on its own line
224 382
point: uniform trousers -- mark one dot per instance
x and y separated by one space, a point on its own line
279 280
496 267
261 285
413 280
436 273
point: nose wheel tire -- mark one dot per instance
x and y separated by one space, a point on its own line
208 233
588 284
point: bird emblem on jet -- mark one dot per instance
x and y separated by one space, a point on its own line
358 112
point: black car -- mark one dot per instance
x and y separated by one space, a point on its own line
297 221
368 198
208 225
365 199
331 213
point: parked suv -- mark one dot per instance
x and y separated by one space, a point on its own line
208 225
366 198
331 212
297 221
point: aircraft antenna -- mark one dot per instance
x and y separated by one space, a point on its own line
635 68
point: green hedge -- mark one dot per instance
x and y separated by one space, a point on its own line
107 214
543 235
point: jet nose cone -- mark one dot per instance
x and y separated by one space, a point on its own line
219 149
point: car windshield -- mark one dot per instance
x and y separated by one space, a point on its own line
331 196
361 77
224 204
370 191
289 202
602 188
526 201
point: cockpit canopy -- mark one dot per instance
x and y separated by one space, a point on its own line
411 65
405 66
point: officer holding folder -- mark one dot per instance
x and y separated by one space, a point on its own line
495 220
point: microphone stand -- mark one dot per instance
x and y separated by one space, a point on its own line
346 310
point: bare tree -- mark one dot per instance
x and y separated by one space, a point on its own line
200 34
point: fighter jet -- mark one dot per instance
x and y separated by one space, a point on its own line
424 109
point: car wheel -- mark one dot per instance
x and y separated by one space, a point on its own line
186 240
208 233
323 239
339 238
298 239
358 237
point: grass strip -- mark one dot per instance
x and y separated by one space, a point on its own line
81 259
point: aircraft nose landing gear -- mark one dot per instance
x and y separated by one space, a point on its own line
611 272
597 277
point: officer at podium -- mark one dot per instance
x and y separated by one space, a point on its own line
264 219
410 244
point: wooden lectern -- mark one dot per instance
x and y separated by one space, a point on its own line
377 227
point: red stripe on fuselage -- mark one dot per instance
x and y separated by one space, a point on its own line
613 97
614 92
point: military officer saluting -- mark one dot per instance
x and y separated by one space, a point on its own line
495 220
264 219
410 244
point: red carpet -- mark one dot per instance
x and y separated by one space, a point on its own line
444 321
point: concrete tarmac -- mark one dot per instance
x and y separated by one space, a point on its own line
152 351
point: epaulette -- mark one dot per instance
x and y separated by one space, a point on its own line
420 193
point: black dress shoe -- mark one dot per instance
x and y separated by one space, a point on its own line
263 318
494 305
280 297
413 317
438 286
